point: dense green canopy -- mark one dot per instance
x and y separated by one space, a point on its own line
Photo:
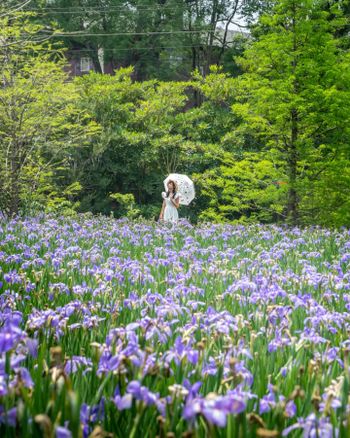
265 135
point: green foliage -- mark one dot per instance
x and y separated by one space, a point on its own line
270 144
162 39
40 122
325 192
127 205
46 192
293 97
148 132
243 189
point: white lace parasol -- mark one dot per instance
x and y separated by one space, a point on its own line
185 187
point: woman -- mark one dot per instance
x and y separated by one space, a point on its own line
171 202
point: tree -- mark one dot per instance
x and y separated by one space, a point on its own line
294 96
138 144
243 188
147 131
234 181
39 121
163 39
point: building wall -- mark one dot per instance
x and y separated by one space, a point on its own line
74 67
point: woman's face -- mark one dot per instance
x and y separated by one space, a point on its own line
170 186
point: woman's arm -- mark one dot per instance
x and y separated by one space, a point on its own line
161 216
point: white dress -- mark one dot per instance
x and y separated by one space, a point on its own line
170 212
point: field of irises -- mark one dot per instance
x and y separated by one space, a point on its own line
127 329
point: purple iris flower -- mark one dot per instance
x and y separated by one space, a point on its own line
9 418
25 377
63 432
142 393
290 409
7 342
10 336
193 389
313 427
32 345
74 363
90 415
215 408
123 402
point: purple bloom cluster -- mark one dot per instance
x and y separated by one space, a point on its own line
215 408
194 328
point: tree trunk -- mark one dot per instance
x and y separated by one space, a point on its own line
14 171
292 206
292 160
210 41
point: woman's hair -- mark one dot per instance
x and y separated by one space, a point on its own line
174 185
